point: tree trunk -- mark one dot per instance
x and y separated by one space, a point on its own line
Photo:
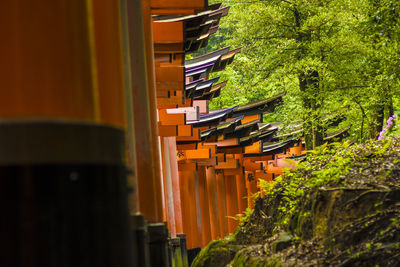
313 130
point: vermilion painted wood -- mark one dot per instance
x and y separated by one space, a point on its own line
204 205
109 62
232 208
251 165
167 130
259 158
265 175
171 102
194 137
222 204
186 146
237 171
173 95
168 208
231 150
175 185
170 78
241 192
194 154
184 166
213 203
47 59
168 32
171 119
228 164
221 157
195 209
213 149
207 162
185 130
147 144
250 118
184 177
225 143
178 4
251 187
169 12
255 148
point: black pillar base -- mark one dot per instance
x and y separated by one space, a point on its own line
63 195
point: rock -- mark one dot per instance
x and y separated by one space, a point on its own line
284 241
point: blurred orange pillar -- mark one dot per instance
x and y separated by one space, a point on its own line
213 203
222 203
147 145
205 215
232 208
47 69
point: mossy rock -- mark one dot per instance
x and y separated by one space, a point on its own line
216 253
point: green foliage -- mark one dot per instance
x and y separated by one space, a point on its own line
353 46
242 217
327 165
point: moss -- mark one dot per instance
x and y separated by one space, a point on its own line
216 253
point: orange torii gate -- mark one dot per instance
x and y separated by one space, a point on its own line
82 77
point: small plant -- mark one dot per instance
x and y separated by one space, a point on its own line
390 125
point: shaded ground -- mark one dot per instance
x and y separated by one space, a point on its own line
341 207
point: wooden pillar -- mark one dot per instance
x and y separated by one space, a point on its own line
241 192
222 203
113 78
63 181
175 185
205 215
232 208
251 186
151 82
195 210
191 208
130 130
213 203
47 68
147 148
168 192
184 177
241 187
109 62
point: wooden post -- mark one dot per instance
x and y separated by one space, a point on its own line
184 177
48 67
222 203
195 210
205 215
213 203
130 131
241 192
232 208
175 184
109 62
251 186
168 192
151 82
241 187
148 166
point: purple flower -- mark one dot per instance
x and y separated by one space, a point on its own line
389 123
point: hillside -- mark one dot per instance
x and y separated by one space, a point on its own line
340 207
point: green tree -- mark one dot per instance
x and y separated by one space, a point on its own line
307 48
324 54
